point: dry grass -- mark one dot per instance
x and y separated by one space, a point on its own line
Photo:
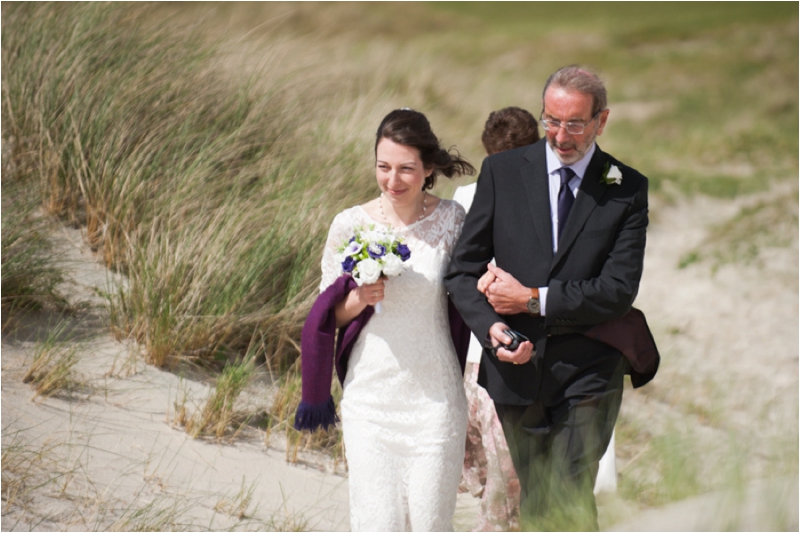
183 177
280 419
38 478
31 272
237 505
25 468
52 370
217 416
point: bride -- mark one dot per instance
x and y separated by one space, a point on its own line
404 412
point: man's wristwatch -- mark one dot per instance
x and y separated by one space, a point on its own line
533 302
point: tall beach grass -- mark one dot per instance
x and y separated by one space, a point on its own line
31 272
196 185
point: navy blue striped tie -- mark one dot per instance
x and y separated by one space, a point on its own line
565 198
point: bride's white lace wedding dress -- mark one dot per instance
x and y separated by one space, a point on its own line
404 412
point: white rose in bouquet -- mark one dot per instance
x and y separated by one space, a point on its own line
375 236
392 265
369 271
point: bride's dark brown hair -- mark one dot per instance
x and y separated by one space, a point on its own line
411 128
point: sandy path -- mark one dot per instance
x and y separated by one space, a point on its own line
107 458
123 456
729 340
729 372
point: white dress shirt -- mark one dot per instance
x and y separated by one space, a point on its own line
554 182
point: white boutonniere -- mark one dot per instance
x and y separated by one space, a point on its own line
612 175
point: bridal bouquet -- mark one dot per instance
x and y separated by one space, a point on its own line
372 253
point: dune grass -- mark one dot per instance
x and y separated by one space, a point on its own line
217 415
237 505
702 98
41 476
23 468
52 370
280 420
31 272
183 179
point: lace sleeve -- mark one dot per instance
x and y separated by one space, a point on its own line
341 229
457 218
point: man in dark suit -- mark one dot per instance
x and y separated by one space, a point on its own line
566 225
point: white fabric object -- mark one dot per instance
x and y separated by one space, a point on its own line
404 411
607 471
464 196
475 350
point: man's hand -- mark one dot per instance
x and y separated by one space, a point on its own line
486 280
521 355
505 294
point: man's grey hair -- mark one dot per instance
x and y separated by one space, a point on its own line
580 79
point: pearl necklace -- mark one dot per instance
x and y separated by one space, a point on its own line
421 216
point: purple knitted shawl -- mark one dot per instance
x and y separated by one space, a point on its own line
321 349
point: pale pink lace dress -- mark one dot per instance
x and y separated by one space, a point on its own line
488 470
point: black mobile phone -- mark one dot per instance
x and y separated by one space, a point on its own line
517 338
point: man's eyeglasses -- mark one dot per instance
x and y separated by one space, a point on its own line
572 127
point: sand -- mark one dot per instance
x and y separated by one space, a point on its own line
109 456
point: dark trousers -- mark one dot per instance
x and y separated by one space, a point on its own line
556 443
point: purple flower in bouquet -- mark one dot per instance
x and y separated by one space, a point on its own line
403 252
348 264
352 248
376 250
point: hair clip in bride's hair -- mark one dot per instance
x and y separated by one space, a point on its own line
406 109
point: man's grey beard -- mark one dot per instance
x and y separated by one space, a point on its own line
578 154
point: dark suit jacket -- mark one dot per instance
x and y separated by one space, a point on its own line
592 279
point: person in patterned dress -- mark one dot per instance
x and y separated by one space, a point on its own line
488 470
